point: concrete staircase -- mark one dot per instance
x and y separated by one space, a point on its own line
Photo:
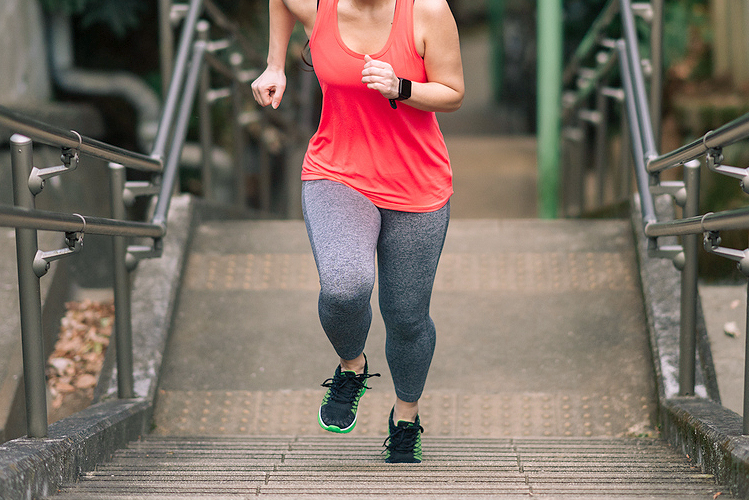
351 467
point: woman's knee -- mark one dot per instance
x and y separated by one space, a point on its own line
346 295
407 324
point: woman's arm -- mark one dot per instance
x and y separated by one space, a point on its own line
436 38
283 14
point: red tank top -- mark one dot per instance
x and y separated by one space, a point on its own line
397 158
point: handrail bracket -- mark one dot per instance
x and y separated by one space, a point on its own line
711 244
674 253
74 242
37 178
136 253
715 159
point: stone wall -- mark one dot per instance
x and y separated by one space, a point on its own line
23 55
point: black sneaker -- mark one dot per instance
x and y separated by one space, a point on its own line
403 445
338 409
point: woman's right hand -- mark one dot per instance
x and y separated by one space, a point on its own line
269 87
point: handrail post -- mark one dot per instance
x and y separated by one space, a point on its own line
601 139
745 430
689 275
656 63
166 43
238 143
122 314
204 112
29 292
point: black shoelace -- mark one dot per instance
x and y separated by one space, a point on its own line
403 440
345 386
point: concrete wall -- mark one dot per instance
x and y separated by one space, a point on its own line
23 56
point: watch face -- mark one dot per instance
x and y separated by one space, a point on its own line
405 89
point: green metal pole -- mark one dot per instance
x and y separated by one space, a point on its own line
550 39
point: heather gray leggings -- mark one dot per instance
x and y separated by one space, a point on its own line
345 229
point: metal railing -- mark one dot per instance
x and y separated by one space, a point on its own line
190 79
607 69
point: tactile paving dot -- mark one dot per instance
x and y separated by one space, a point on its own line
443 413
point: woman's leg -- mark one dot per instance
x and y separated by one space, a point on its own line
343 228
409 248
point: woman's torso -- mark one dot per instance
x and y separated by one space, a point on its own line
397 158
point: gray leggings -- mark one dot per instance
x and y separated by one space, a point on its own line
345 229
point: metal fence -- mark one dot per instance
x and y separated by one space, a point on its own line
608 69
198 59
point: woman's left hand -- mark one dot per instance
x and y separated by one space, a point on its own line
379 75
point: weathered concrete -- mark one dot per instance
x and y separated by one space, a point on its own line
712 436
31 468
725 318
25 74
703 429
661 288
35 468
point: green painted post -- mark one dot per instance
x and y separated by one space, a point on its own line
550 39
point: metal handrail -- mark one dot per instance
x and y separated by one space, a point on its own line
648 164
591 41
73 223
638 80
56 136
189 71
726 220
647 205
163 135
726 135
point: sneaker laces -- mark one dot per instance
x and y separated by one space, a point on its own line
345 386
403 439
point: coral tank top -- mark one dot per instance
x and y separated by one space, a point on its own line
397 158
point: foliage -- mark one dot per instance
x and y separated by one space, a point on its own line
686 23
119 15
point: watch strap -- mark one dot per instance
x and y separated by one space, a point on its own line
404 92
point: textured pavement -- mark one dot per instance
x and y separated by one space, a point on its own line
540 332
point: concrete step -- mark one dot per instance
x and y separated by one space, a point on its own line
347 466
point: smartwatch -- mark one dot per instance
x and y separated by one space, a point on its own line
404 92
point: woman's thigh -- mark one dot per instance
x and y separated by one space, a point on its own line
409 249
343 228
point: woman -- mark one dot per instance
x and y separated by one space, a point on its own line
376 180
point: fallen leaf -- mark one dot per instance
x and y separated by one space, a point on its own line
717 495
85 381
65 388
78 355
60 364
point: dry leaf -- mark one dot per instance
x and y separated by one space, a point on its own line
79 352
65 388
85 381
